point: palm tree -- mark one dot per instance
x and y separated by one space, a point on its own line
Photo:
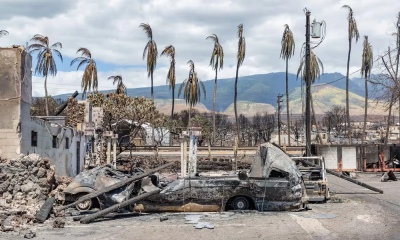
3 33
151 50
216 62
45 61
353 33
287 51
169 51
89 78
240 58
192 89
121 88
366 66
316 68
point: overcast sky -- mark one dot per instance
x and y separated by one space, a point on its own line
110 30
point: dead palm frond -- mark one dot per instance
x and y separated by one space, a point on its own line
316 68
151 51
3 33
192 87
89 78
45 58
367 58
241 54
352 24
217 55
169 51
121 88
287 43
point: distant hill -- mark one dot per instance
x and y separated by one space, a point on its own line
261 89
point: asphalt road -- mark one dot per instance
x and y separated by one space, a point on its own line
353 213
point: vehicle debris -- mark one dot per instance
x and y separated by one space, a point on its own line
314 176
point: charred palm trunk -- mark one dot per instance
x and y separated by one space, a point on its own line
287 101
152 97
318 139
173 102
365 110
190 116
214 104
347 93
235 101
46 96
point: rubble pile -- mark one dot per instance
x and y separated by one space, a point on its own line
75 112
25 184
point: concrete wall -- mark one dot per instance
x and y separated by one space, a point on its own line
65 159
16 124
15 97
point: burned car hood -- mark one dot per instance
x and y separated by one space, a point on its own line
269 157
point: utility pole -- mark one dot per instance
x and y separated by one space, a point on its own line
279 118
308 86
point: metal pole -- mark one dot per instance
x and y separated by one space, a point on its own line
308 86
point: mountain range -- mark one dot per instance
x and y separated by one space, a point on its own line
259 93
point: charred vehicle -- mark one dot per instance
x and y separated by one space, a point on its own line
273 183
96 179
314 175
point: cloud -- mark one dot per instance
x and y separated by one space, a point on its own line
110 29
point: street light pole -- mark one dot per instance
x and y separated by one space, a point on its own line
308 87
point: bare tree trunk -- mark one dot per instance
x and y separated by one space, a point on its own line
365 110
235 101
46 96
315 120
388 121
173 102
347 93
287 101
214 104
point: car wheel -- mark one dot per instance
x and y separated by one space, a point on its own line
240 203
85 205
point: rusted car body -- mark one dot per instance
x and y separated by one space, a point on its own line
273 183
314 175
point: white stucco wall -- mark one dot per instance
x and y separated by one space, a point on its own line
65 160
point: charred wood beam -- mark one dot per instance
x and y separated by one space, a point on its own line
340 175
62 107
115 186
94 216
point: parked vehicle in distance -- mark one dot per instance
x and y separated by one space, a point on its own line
314 176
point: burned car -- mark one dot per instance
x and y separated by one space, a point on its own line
314 175
96 179
273 183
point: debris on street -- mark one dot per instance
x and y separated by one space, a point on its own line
25 184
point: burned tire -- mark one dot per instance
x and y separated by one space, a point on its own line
85 205
240 203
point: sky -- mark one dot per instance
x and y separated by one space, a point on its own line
110 30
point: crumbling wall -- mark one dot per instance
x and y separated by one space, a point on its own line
68 149
15 98
75 113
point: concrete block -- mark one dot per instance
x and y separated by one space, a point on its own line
3 135
13 135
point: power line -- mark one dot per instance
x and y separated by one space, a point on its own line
344 77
